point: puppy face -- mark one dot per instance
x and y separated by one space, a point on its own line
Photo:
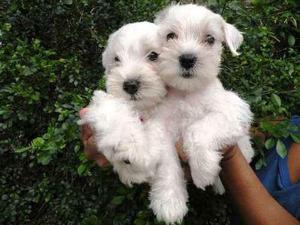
192 39
130 61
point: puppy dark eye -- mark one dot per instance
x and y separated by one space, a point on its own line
171 35
210 39
117 59
126 161
153 56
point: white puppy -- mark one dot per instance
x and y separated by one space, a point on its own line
134 142
198 108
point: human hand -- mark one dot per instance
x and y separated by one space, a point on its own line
90 148
229 152
180 151
184 158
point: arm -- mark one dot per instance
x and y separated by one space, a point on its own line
294 165
255 204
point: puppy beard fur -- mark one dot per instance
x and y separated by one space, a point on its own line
206 69
150 93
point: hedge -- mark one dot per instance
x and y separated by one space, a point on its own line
50 63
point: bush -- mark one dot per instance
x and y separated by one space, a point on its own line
50 63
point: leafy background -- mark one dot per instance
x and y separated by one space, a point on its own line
50 63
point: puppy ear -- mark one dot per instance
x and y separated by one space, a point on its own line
233 37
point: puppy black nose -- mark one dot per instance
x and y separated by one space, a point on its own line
131 86
187 61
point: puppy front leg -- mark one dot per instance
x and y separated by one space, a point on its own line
118 130
244 145
132 147
204 159
168 195
203 142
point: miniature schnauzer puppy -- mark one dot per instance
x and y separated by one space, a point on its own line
203 113
134 141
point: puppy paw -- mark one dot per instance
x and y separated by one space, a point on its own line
170 211
125 152
202 181
204 170
128 175
131 153
124 146
100 96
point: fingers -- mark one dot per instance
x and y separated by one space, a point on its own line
86 132
179 148
102 161
229 152
90 147
90 150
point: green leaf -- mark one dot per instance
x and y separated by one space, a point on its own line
270 143
38 142
266 126
259 164
118 200
21 150
36 44
256 2
296 138
7 26
294 22
291 40
102 83
82 169
68 2
276 100
92 220
139 222
44 159
3 112
281 149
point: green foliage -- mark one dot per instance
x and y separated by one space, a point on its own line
50 63
276 131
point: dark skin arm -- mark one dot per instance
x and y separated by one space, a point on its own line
255 204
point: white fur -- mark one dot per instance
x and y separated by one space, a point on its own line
119 132
198 108
131 44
